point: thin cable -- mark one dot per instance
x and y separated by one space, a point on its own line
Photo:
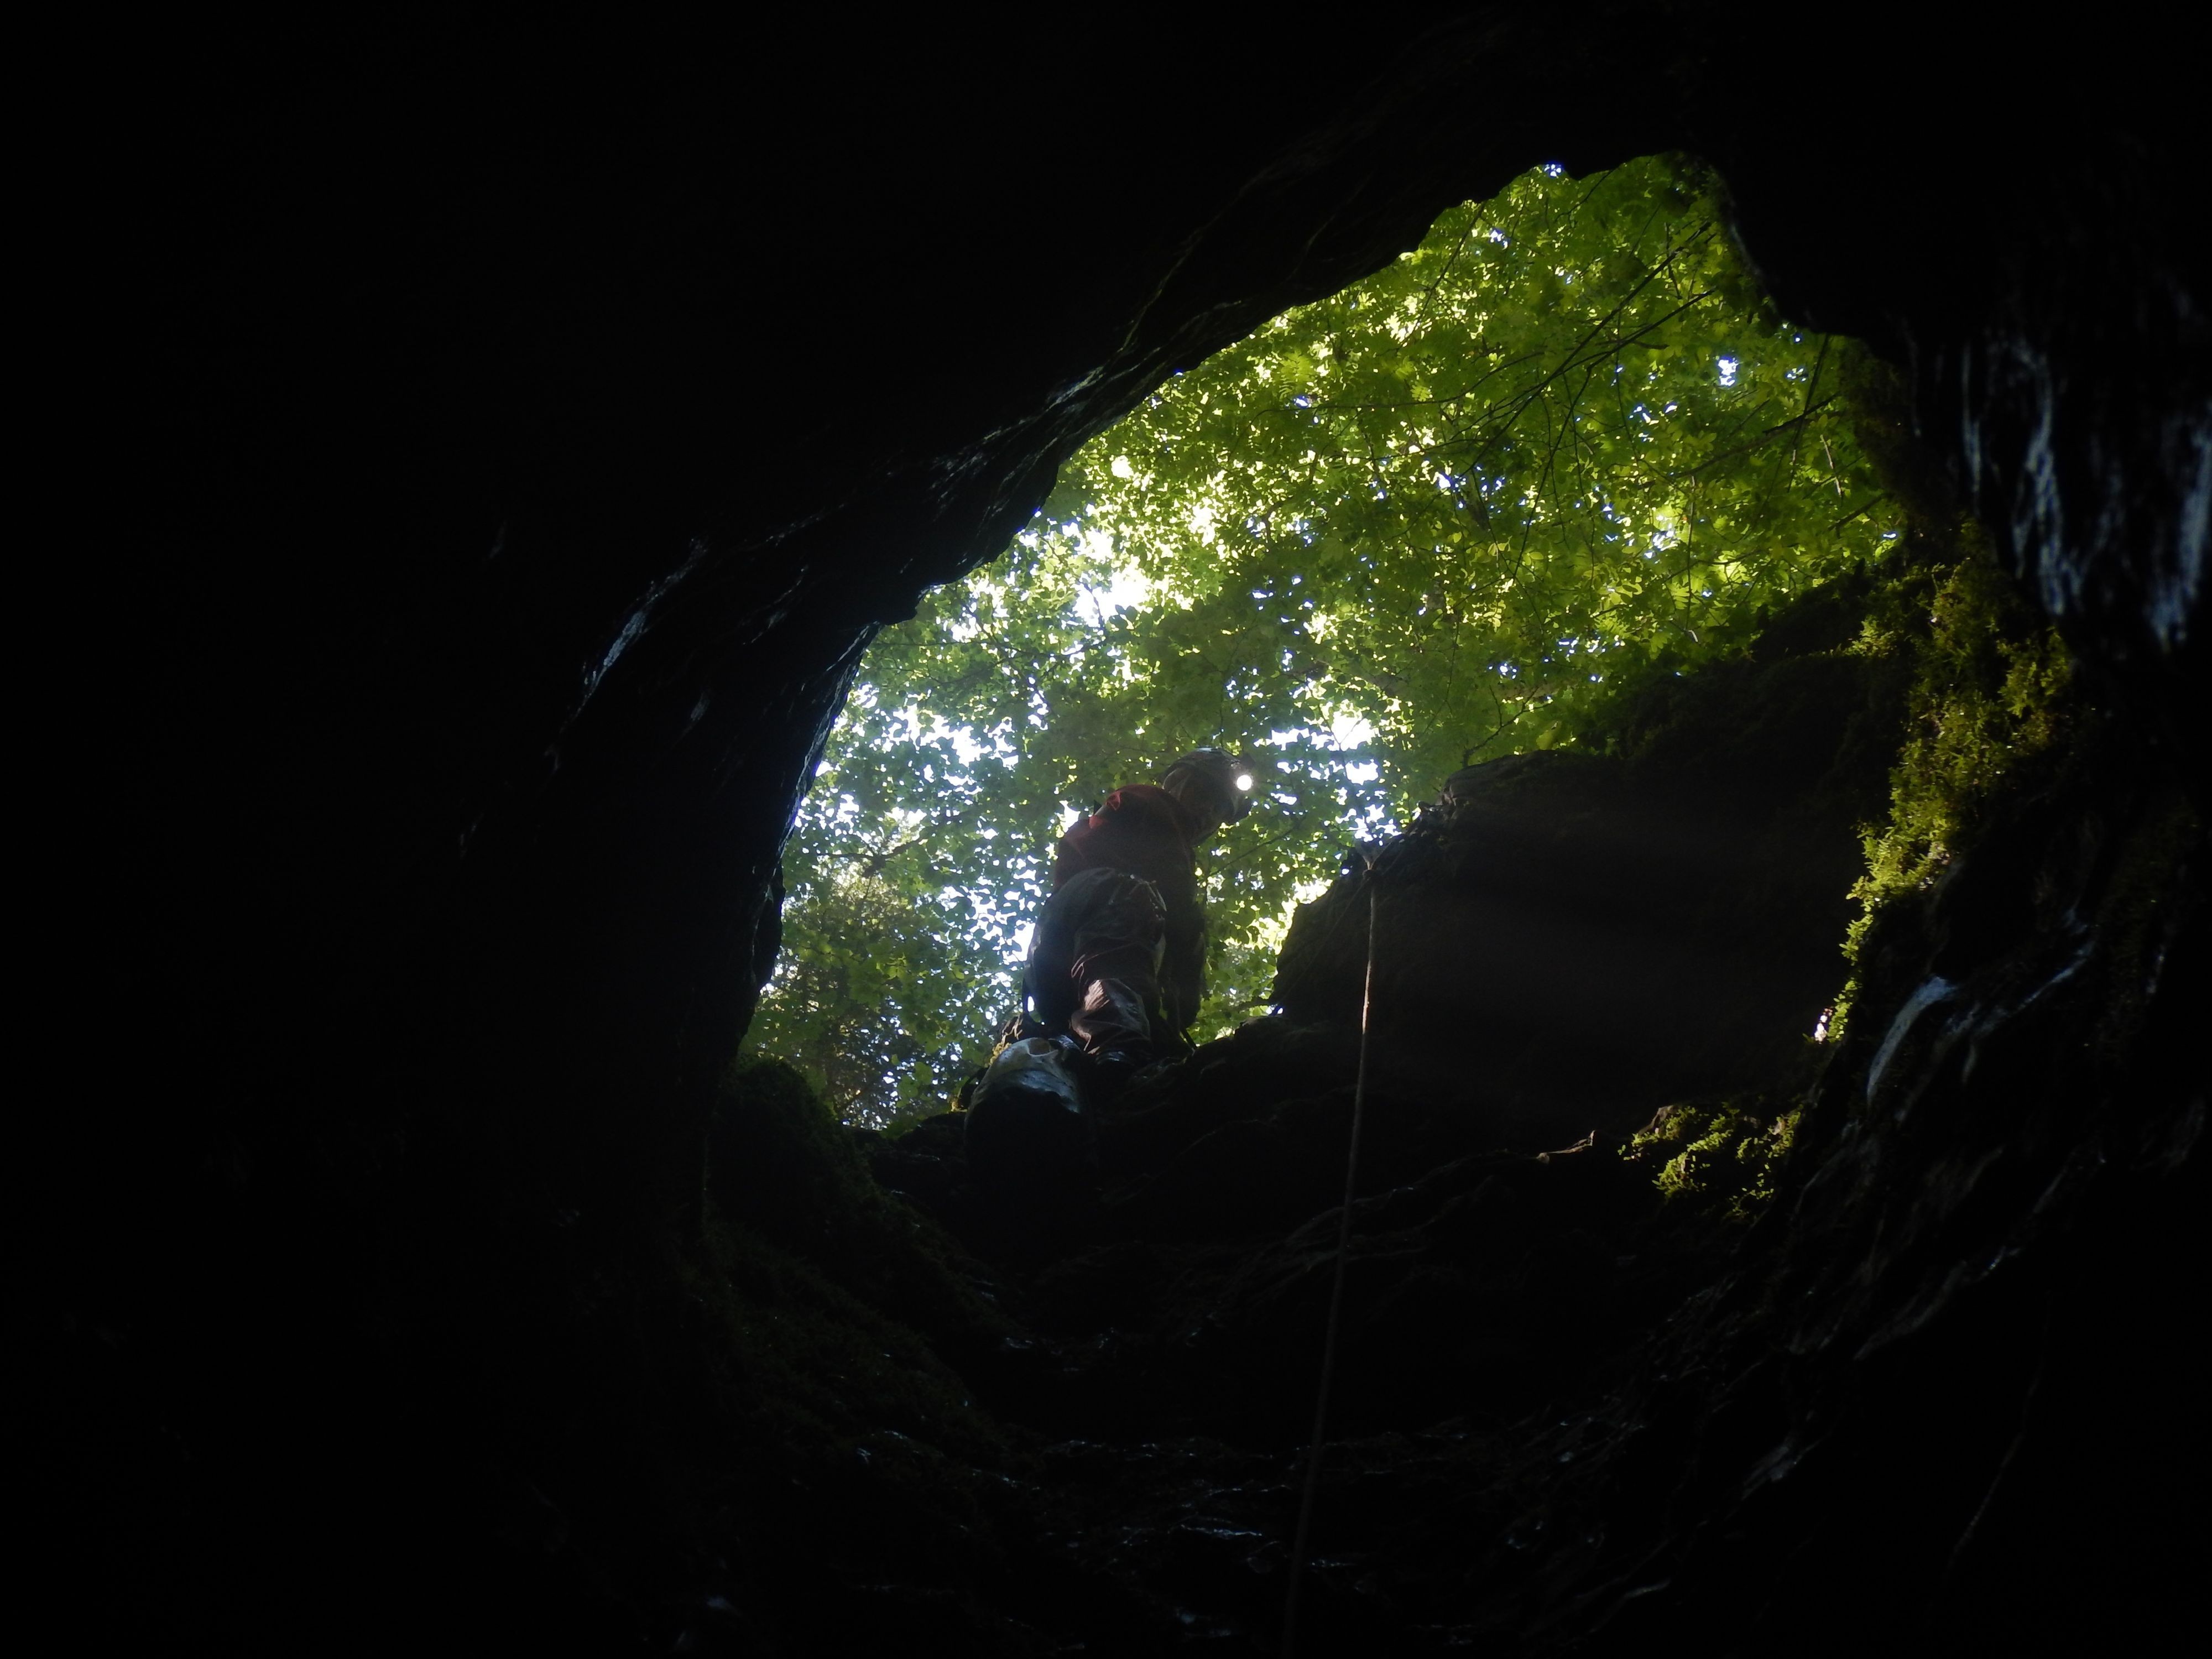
1335 1291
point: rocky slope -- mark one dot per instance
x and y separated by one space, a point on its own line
1569 1414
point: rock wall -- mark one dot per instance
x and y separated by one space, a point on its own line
1567 941
504 438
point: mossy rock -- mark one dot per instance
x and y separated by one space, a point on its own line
781 1168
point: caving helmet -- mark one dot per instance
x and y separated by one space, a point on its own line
1231 781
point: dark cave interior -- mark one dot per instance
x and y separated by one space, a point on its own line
518 429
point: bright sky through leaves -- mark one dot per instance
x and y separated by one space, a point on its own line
1444 513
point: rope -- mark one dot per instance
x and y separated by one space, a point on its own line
1336 1289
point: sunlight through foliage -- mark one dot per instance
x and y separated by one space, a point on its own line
1440 516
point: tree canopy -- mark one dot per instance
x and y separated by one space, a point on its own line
1444 514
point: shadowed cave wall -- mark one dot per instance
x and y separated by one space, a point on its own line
528 424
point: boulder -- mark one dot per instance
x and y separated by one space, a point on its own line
1566 940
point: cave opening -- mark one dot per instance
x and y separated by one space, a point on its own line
1453 511
1616 958
412 1262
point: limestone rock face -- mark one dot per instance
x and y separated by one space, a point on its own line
1568 941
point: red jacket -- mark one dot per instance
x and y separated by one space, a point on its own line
1141 830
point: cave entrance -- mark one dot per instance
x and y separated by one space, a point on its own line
1455 511
1553 526
1551 558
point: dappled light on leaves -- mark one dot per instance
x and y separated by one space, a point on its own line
1447 513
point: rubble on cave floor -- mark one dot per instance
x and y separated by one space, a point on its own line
1172 1331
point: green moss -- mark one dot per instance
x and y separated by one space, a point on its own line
1990 695
1718 1157
1977 698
